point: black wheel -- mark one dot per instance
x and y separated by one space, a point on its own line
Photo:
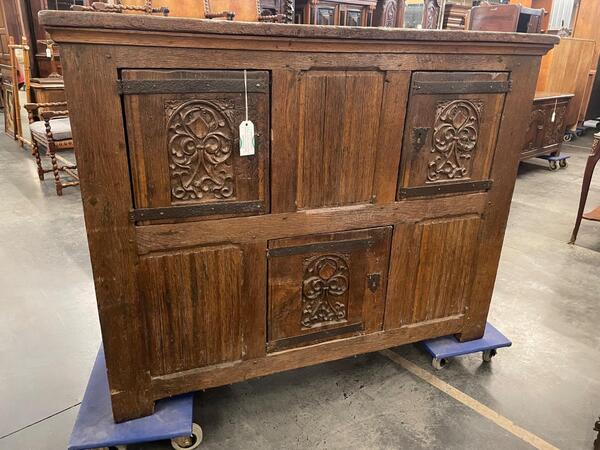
487 355
552 165
580 133
563 163
568 137
438 364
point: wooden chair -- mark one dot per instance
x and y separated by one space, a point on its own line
51 132
250 10
585 189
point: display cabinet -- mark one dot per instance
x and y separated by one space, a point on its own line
370 214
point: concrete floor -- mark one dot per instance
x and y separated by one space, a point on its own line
546 300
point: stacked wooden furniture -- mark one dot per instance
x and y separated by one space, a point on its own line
456 16
371 215
547 125
511 18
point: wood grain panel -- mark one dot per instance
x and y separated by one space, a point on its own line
432 271
338 128
193 303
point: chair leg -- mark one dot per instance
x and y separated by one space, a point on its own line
38 160
56 172
585 187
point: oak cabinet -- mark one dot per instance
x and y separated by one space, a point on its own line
547 125
370 215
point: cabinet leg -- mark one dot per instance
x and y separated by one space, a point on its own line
471 333
130 406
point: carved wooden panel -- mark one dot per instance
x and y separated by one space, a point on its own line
183 139
433 270
326 286
193 305
450 133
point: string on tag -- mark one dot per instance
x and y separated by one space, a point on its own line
246 91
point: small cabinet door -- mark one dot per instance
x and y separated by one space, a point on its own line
326 286
183 139
451 129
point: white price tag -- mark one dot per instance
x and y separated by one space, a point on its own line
553 116
48 52
246 138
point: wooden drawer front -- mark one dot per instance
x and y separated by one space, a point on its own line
193 304
432 270
183 132
451 129
326 286
338 127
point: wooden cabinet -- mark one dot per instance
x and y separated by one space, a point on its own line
356 13
371 214
547 125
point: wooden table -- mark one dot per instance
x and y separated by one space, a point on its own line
370 215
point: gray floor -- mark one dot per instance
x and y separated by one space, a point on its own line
546 300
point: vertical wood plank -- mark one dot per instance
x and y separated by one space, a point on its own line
391 129
106 194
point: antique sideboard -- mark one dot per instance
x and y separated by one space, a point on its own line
546 127
370 215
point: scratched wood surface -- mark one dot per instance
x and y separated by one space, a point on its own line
211 267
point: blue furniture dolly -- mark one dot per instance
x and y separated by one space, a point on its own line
446 347
95 427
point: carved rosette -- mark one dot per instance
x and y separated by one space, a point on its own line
455 135
201 140
325 282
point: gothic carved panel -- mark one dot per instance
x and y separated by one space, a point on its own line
455 136
390 13
201 140
536 125
326 280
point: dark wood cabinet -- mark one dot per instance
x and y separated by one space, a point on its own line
546 126
356 13
371 214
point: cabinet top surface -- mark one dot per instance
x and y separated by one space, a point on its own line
144 23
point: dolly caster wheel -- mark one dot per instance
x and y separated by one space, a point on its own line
563 163
188 442
568 137
438 363
552 165
487 355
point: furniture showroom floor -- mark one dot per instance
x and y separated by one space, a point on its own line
546 300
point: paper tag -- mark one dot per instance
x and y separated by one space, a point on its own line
553 116
48 52
246 138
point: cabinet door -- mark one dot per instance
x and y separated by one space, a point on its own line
326 286
432 269
183 137
202 306
451 129
345 145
